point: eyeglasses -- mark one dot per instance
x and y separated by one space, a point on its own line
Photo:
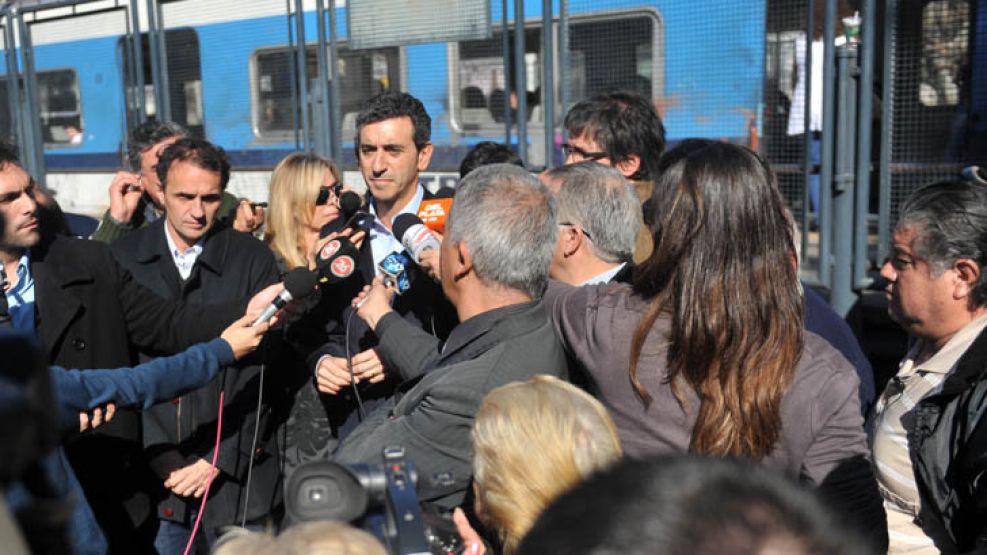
575 152
326 192
579 227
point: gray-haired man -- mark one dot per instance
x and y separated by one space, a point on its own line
599 218
494 260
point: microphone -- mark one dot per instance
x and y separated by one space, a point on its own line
349 204
433 213
351 215
299 283
336 260
394 268
414 235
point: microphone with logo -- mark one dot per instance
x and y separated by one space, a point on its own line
414 235
336 260
351 215
299 283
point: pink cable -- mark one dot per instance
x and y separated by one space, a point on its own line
205 494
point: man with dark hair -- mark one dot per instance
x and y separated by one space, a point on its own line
494 258
392 147
688 506
620 129
929 434
187 256
599 219
135 195
87 311
486 153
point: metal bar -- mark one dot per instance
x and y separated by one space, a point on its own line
808 163
138 62
861 225
505 44
156 68
548 82
826 169
887 126
73 15
32 119
842 296
520 81
13 87
292 80
302 74
563 61
164 111
321 116
335 116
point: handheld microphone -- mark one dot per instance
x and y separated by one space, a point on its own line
297 284
350 215
394 268
433 213
414 235
336 260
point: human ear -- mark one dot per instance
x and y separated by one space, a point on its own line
630 166
968 276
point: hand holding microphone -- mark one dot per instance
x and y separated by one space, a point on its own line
299 283
421 241
374 302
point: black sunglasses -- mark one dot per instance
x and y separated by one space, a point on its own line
569 150
325 191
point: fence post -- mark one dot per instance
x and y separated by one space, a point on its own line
887 125
13 82
865 94
324 135
842 295
520 82
31 120
548 82
303 100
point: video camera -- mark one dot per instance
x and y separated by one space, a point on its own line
381 498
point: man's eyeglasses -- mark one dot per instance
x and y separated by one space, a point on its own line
575 152
580 228
327 192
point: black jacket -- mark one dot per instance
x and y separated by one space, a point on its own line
90 312
232 265
424 306
948 448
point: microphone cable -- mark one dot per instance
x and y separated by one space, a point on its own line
253 442
212 468
349 366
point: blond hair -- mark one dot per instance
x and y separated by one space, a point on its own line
295 185
533 441
328 537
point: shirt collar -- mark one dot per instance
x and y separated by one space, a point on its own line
24 278
945 359
605 277
410 208
175 251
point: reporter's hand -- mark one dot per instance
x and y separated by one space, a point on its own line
97 418
430 260
260 301
125 193
331 375
248 218
374 302
472 542
191 480
367 366
244 338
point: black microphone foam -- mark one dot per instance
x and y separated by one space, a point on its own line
349 203
402 223
300 282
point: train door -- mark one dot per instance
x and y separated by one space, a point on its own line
184 81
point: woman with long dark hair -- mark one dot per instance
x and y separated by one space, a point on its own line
706 352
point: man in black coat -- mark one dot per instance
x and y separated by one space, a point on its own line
88 312
392 146
187 255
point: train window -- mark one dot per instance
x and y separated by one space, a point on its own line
615 52
363 73
61 114
945 59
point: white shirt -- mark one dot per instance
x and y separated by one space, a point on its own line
382 240
184 260
605 277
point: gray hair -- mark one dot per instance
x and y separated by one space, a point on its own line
509 221
950 222
601 201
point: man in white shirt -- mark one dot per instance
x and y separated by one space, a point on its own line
599 218
928 439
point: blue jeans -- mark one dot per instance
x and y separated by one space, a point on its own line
173 537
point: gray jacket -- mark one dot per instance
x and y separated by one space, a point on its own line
431 416
822 424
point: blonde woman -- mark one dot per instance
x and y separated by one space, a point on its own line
533 441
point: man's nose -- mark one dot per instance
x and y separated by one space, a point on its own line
888 272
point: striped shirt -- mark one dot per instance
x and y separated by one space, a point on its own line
889 437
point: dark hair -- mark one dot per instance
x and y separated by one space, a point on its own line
200 152
688 506
722 268
624 123
950 219
148 134
390 105
486 153
9 153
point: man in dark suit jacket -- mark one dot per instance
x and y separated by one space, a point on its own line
87 312
392 147
189 256
494 262
599 216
